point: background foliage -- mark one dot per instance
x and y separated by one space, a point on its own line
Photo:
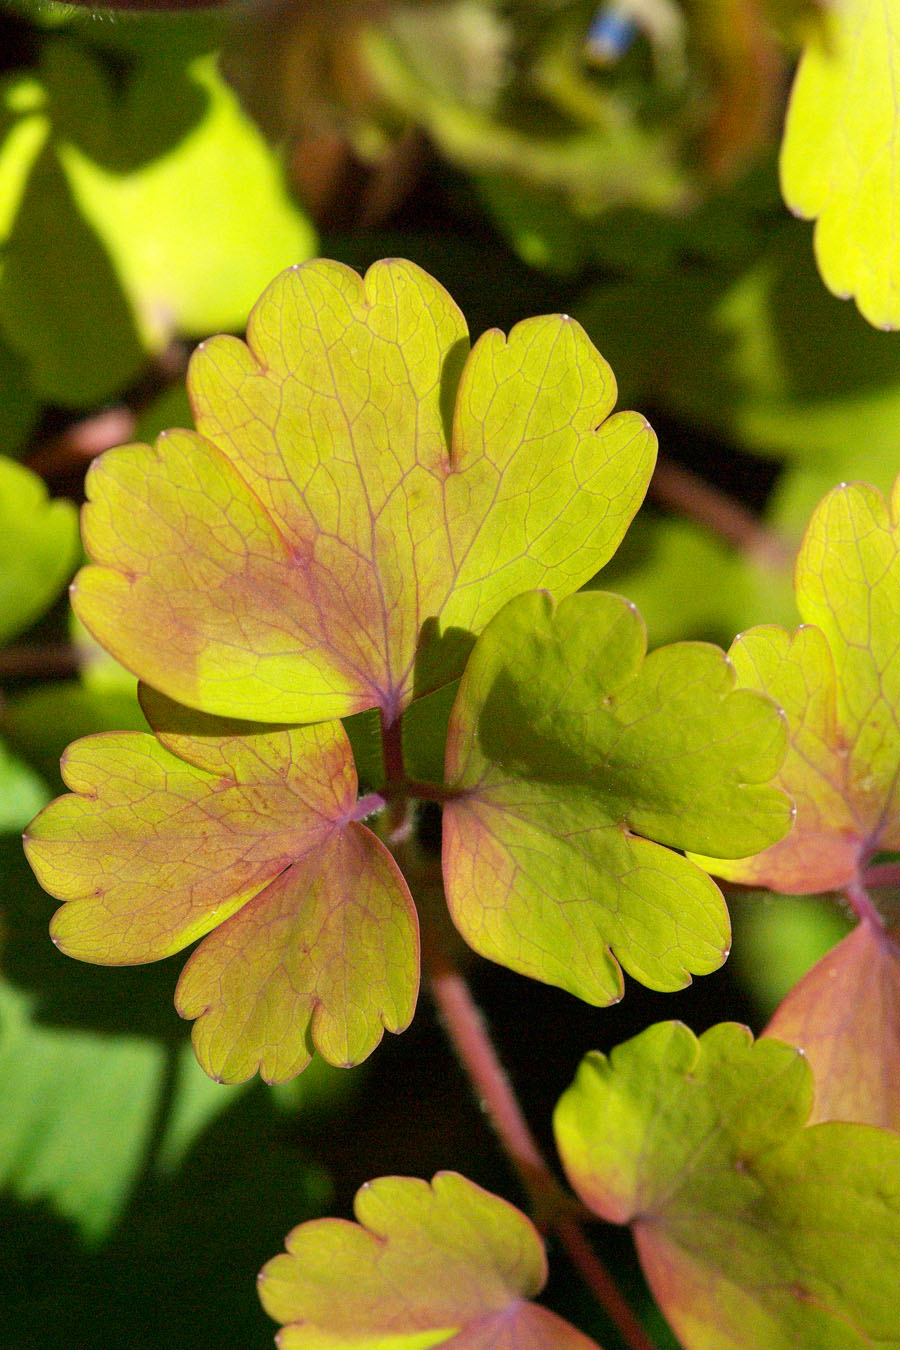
534 162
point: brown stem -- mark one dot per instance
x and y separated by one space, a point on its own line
689 495
553 1208
82 442
46 661
861 904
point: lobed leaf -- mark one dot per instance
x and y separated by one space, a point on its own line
425 1265
845 1016
359 496
839 157
751 1229
838 680
579 766
248 831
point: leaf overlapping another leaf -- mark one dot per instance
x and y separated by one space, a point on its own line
361 494
752 1230
425 1265
247 830
579 766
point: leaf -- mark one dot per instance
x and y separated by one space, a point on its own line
101 187
839 156
845 1016
324 545
61 1088
566 746
248 831
752 1230
838 680
38 548
424 1265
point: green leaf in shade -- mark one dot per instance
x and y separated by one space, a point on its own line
845 1016
38 548
129 215
838 680
839 157
250 832
362 495
423 1266
752 1230
78 1110
570 753
18 404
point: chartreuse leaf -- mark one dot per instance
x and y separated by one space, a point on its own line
845 1013
579 767
838 680
752 1230
422 1266
248 831
38 547
361 494
839 158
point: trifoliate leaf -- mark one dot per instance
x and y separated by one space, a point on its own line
580 765
250 832
38 547
838 680
361 496
845 1016
424 1265
752 1230
839 159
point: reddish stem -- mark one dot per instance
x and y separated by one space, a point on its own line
554 1209
861 904
689 495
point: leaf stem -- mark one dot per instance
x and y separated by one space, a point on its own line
554 1209
690 495
861 903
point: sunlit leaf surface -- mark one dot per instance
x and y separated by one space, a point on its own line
838 679
424 1265
361 496
250 832
839 160
752 1230
580 766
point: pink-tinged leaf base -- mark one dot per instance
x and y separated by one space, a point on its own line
752 1228
845 1016
326 532
838 681
445 1264
215 825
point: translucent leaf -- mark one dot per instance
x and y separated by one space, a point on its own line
845 1016
839 157
424 1265
571 752
249 832
38 548
361 496
838 680
752 1230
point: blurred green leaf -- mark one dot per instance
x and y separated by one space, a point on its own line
22 793
38 548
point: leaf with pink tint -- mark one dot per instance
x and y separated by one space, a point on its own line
362 494
249 831
838 680
424 1265
845 1016
753 1229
